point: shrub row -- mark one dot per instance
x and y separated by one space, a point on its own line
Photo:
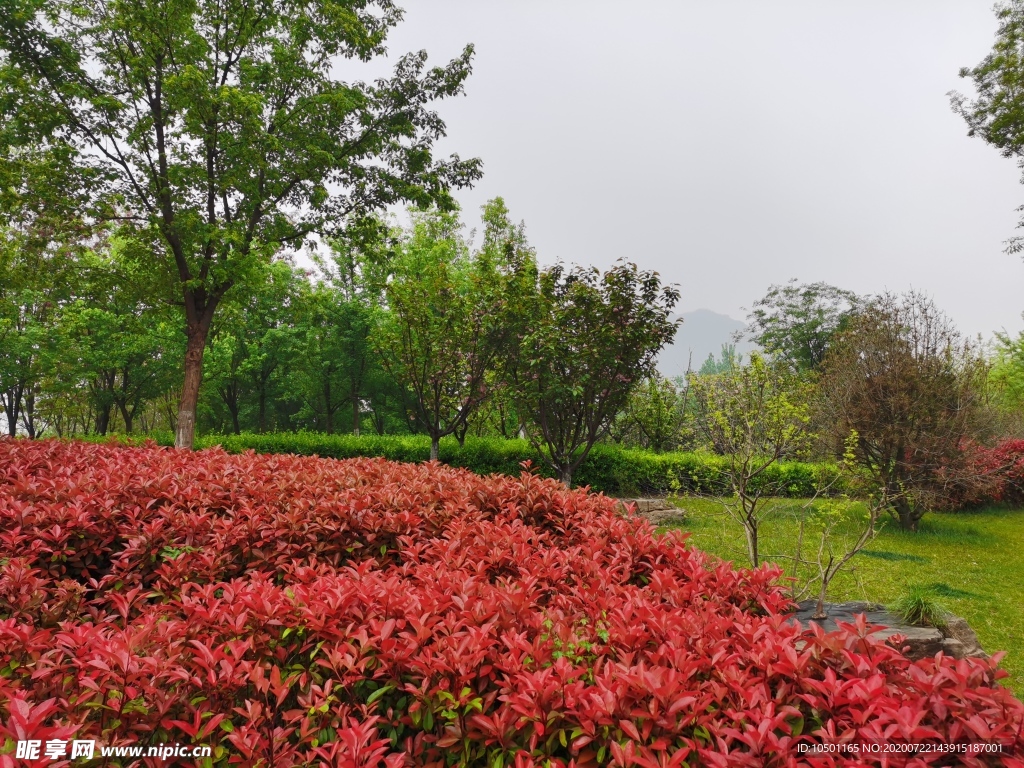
608 469
297 611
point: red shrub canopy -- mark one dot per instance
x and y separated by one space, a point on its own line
300 611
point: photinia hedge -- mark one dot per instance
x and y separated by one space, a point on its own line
293 611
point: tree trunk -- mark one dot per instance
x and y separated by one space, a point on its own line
355 415
230 397
819 608
434 448
908 521
128 416
185 435
102 419
565 475
904 512
12 409
263 409
28 414
752 553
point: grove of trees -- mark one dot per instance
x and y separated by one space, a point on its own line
165 170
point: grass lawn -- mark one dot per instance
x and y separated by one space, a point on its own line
970 562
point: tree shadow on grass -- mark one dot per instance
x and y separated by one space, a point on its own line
944 590
894 556
930 530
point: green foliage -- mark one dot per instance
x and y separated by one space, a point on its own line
997 114
654 417
1007 375
754 416
586 340
796 322
125 349
727 361
918 606
608 468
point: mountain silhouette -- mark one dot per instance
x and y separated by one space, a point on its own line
702 333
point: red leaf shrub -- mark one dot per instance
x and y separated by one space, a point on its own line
989 475
298 611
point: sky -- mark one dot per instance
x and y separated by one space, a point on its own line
734 145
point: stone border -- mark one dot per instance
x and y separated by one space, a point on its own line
956 639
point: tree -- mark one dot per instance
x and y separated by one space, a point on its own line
796 322
110 340
997 115
443 324
334 356
653 416
218 132
904 380
253 340
728 360
36 261
755 415
585 341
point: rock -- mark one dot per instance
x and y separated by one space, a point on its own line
957 639
958 629
656 511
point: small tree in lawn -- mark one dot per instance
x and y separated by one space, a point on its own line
756 415
584 341
836 550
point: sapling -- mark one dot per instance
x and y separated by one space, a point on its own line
830 558
756 416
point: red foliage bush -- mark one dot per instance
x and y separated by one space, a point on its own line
989 476
298 611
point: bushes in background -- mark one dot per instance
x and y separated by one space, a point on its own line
609 468
294 611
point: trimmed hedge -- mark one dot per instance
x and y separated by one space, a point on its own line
609 469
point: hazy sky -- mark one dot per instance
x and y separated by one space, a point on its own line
733 145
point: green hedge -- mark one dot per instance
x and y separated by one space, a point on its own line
609 468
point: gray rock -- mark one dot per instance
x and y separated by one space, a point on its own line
958 629
956 639
657 511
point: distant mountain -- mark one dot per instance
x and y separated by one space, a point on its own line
703 332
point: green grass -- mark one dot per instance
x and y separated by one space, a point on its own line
972 563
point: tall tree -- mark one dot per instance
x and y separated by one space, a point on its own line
36 262
444 323
997 114
220 130
728 360
796 321
586 341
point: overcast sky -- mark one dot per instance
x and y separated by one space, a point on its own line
733 145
